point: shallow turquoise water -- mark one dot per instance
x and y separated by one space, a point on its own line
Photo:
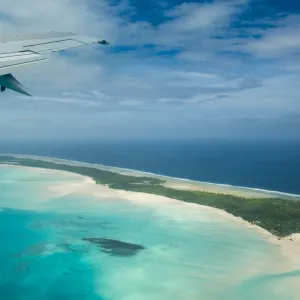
188 254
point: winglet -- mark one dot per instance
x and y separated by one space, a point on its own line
10 82
103 42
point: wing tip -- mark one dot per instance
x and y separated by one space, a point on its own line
26 93
103 42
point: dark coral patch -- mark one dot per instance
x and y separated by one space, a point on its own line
115 247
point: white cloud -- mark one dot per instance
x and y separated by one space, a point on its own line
57 15
76 94
71 101
100 94
192 25
293 67
194 75
275 43
194 16
278 95
201 99
111 87
168 100
130 102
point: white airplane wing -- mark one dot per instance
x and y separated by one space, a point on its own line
25 50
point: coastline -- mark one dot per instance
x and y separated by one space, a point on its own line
289 246
172 182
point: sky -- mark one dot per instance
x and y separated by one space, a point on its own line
174 69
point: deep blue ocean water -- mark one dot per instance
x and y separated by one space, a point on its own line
272 165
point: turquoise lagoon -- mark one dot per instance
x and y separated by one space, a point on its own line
50 248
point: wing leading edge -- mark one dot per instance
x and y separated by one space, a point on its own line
20 51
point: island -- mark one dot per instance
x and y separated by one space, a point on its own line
278 215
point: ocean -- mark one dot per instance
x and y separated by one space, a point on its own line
82 246
270 165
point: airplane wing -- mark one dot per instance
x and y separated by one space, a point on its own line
25 50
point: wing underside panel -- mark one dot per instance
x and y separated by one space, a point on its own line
51 46
11 61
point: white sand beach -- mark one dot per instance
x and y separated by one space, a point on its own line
214 188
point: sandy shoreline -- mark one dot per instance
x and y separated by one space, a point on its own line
83 185
214 188
176 183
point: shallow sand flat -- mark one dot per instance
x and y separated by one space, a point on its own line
290 246
81 185
47 171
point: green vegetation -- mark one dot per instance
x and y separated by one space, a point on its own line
281 217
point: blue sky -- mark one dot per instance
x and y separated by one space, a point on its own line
194 69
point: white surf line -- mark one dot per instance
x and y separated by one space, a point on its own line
118 170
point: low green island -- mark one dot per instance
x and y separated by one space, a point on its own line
279 216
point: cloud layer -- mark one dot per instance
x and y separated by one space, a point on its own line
197 67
